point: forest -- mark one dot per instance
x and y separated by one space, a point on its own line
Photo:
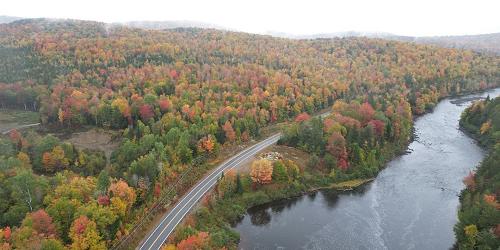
348 148
479 215
355 140
178 96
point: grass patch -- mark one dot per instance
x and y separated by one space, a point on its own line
18 116
350 185
12 118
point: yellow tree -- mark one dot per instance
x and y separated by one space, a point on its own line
121 189
84 235
60 115
48 161
206 144
122 105
485 127
262 171
59 157
25 159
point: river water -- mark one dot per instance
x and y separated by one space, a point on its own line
412 204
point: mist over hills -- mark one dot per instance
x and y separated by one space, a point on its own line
482 43
160 25
489 43
8 19
351 33
177 97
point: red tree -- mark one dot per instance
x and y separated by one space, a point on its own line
42 223
366 111
469 181
173 74
80 224
7 233
302 117
337 147
347 121
193 242
15 137
378 126
164 104
146 112
103 200
157 190
230 134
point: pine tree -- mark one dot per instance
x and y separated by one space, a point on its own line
239 185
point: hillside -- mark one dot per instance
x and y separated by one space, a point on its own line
161 25
479 215
177 98
489 43
8 19
483 43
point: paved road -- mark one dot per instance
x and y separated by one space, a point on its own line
155 238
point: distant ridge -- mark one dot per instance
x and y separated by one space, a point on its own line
487 43
481 43
9 19
160 25
350 33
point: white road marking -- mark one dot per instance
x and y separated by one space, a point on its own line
243 155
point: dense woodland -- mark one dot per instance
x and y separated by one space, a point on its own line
479 214
352 143
179 95
355 140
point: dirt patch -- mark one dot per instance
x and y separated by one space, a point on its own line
95 139
288 153
10 119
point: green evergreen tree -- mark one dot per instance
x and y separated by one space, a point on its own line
239 185
279 172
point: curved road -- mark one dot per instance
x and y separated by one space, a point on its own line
155 238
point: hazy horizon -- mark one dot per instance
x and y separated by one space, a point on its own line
408 18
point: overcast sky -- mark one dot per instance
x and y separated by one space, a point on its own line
402 17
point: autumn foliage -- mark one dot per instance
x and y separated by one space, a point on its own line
146 112
122 190
479 211
176 95
261 171
469 181
84 234
42 223
194 242
207 144
337 147
302 117
229 131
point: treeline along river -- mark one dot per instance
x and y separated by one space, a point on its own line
412 204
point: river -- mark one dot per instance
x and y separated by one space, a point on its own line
412 204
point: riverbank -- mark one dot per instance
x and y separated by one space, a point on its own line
228 203
224 208
479 214
220 211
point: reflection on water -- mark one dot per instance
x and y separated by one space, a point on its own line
411 204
